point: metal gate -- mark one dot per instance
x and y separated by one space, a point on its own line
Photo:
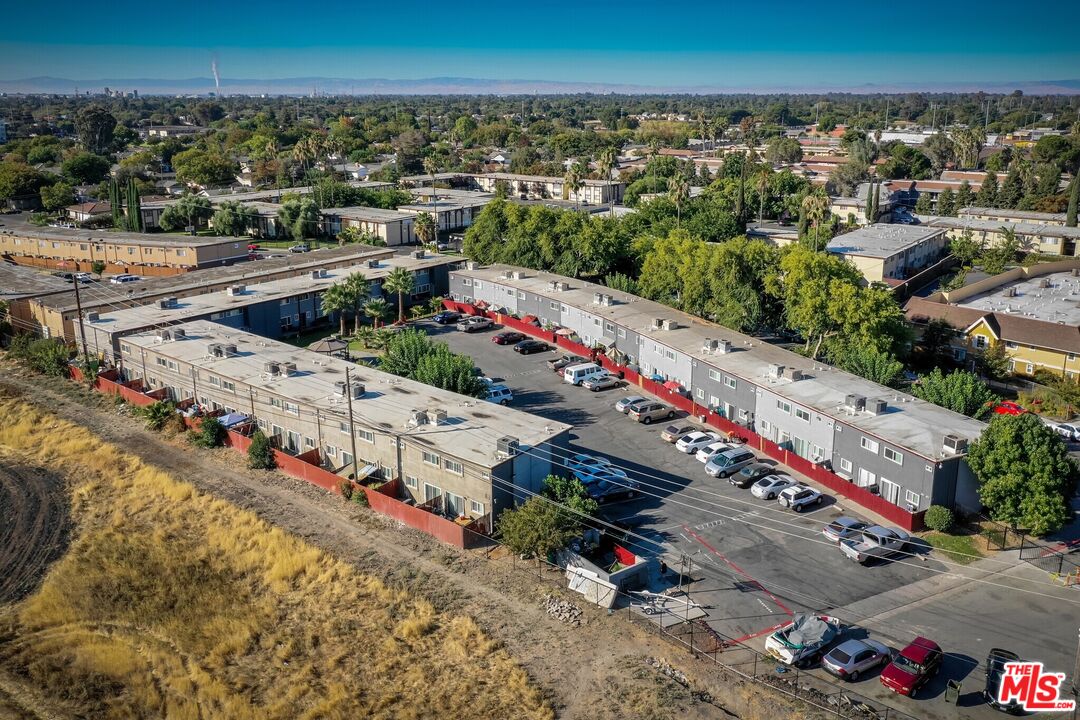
1054 559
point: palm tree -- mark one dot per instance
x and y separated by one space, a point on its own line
435 304
654 148
816 207
762 178
377 309
605 163
679 191
336 299
431 167
359 289
399 281
424 226
572 182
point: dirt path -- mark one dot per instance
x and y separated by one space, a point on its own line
595 670
34 526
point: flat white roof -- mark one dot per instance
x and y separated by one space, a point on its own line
1021 228
471 431
881 240
1057 303
909 422
367 214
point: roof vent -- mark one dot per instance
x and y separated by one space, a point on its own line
236 290
517 275
374 263
315 275
723 347
793 374
671 324
776 371
179 333
215 350
339 388
163 335
855 402
419 254
229 350
954 444
417 418
507 446
1010 292
562 287
472 265
436 417
877 406
288 368
607 300
1076 272
1044 283
92 317
597 298
272 369
709 345
657 323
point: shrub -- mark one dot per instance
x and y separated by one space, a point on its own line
211 434
345 487
157 415
939 517
47 357
260 453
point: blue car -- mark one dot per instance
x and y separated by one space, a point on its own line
447 317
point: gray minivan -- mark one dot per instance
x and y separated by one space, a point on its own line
729 461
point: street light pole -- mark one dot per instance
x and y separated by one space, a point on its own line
352 433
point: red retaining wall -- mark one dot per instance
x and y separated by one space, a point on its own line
817 473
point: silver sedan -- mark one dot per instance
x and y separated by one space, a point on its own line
853 658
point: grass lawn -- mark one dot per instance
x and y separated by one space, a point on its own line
957 548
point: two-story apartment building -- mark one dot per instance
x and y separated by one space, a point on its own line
1004 215
884 252
528 187
908 451
393 227
1045 238
459 456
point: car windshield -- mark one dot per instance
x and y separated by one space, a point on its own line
906 663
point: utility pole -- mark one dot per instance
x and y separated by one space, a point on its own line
986 121
352 433
82 328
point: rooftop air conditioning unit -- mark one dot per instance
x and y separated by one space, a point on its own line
419 254
1076 272
228 350
657 323
517 275
723 347
163 335
607 300
793 374
472 265
288 368
671 324
92 317
339 388
179 333
561 286
709 345
954 444
776 371
855 402
235 290
358 390
877 406
315 275
418 417
1044 283
373 263
173 302
163 304
323 273
1010 292
436 417
507 446
597 298
272 369
215 350
553 286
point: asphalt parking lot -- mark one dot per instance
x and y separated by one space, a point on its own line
756 563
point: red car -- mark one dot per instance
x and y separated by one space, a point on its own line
1006 407
507 338
912 667
253 246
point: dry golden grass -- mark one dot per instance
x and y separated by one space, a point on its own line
170 603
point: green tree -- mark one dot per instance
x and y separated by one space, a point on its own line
1074 202
399 282
924 206
424 226
404 351
158 414
346 297
97 267
19 180
211 433
538 527
571 492
960 391
946 203
378 310
1012 190
940 150
189 210
95 127
1025 474
573 181
876 366
605 164
994 362
679 191
816 207
300 217
86 168
963 195
1003 253
57 196
261 452
988 191
450 371
206 169
965 248
232 218
782 149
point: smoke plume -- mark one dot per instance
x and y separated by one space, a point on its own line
217 78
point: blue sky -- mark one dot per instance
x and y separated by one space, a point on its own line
674 43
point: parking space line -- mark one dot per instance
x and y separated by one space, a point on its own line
738 569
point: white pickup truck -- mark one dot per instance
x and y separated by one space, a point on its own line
875 542
474 323
803 640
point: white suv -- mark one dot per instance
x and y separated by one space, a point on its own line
799 497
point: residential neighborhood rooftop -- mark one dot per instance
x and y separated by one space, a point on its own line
881 240
1058 301
370 214
1021 228
18 281
1030 215
471 430
17 225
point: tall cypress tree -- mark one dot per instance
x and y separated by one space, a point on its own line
1074 197
114 204
869 212
135 208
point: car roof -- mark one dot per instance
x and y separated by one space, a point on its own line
853 645
919 649
774 478
845 521
797 488
1001 654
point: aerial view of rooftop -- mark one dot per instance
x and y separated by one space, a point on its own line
359 361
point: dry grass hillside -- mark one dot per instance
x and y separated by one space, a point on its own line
170 603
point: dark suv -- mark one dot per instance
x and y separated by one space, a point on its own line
995 672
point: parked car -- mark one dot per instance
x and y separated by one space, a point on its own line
623 405
601 382
692 442
576 374
875 542
853 658
499 394
123 278
649 411
843 528
300 248
83 277
750 474
605 488
729 461
474 323
912 667
768 487
799 497
577 463
252 247
675 431
803 640
1067 430
995 671
528 347
1007 407
446 317
507 337
565 360
705 454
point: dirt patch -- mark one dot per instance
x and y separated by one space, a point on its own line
34 528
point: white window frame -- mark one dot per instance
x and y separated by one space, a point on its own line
869 444
783 406
912 498
453 466
431 458
802 414
366 435
412 482
892 455
730 382
476 508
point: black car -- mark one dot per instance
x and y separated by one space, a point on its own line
751 474
995 671
528 347
447 317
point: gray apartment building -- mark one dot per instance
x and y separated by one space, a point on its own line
272 309
461 456
908 451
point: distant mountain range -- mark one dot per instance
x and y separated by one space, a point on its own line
481 86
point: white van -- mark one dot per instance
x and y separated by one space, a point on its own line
499 394
576 373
